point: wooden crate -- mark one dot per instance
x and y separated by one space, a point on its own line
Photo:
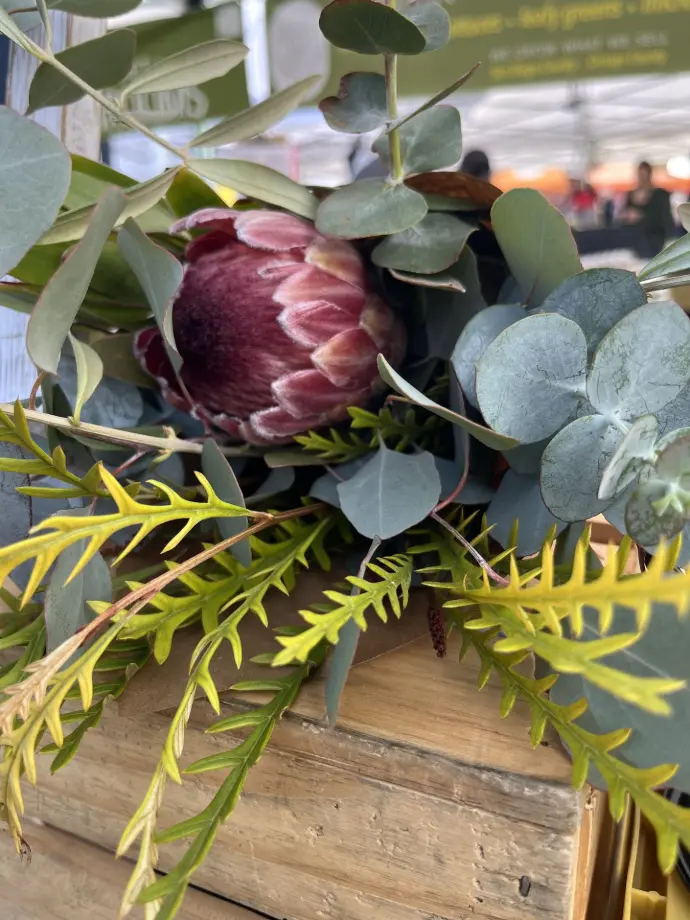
423 804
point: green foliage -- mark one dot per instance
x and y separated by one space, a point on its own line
366 27
64 530
370 207
360 105
670 821
394 572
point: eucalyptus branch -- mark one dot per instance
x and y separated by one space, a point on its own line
392 97
117 436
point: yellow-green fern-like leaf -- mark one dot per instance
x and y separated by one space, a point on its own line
670 821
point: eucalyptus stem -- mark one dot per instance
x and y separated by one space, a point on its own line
664 282
392 97
107 104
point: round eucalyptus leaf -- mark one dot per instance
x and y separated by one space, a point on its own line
475 338
615 515
447 313
519 498
34 178
531 378
650 516
475 491
536 242
370 207
360 105
526 458
596 300
432 20
636 449
101 62
368 27
643 363
660 652
432 245
325 488
673 462
676 414
390 493
572 467
429 141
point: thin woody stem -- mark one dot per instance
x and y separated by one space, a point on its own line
472 550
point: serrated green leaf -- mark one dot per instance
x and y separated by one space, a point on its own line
431 246
360 105
258 118
257 181
531 378
34 177
138 200
59 303
536 242
370 207
367 27
102 62
190 67
482 434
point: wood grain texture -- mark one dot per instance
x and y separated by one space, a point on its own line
69 879
421 804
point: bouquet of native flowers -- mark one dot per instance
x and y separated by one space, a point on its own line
410 375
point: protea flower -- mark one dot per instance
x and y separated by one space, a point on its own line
277 327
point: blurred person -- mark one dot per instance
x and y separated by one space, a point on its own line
649 208
476 163
581 207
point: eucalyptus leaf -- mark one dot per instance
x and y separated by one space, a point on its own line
189 193
476 337
429 141
160 275
615 515
89 373
573 465
432 245
674 258
16 517
430 103
643 363
221 476
660 652
325 488
484 435
650 517
257 181
431 19
66 608
596 300
277 482
339 665
116 351
368 27
390 493
536 242
115 404
34 178
97 9
531 378
475 491
190 67
138 199
447 313
673 462
519 498
59 303
258 118
370 207
360 105
676 414
635 450
102 62
526 458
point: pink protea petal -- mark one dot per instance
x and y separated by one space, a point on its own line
348 359
275 426
208 219
309 392
339 259
311 284
206 243
274 231
377 319
313 324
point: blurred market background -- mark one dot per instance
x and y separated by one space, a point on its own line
570 98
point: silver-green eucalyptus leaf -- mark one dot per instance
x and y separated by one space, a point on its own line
531 378
475 338
635 451
518 498
431 246
222 477
368 27
431 19
572 467
360 105
643 363
370 207
431 140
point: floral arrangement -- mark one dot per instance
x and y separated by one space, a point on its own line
412 374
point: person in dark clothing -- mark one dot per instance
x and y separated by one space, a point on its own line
476 163
649 208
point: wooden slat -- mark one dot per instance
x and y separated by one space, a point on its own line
68 879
